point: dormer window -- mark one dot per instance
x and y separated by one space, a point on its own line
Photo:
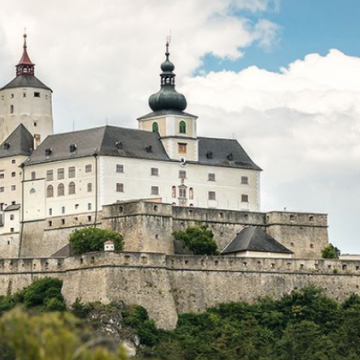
6 146
73 148
209 155
48 152
119 145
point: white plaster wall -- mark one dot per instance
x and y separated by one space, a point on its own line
138 181
28 110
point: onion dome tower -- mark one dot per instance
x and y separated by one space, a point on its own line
167 98
177 129
26 100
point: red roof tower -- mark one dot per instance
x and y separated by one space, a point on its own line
25 65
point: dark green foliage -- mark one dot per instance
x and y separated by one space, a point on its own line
199 239
305 324
330 252
43 293
93 239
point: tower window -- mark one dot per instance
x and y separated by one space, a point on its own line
13 187
154 172
155 127
32 191
244 198
191 193
120 187
182 148
89 206
173 191
119 168
89 187
182 127
36 94
13 161
244 180
35 123
11 109
24 94
182 192
211 177
33 175
12 96
13 174
182 174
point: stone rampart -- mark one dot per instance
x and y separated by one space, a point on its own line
170 285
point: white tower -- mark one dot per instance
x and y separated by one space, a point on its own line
26 100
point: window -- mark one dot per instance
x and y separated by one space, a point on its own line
182 174
61 190
120 187
71 171
50 211
154 171
36 94
173 192
154 190
244 180
89 206
182 127
12 230
50 191
212 195
211 177
72 188
24 94
88 168
13 187
2 175
63 209
2 189
32 191
191 193
13 174
12 217
33 175
244 198
60 173
11 109
119 168
182 192
155 127
89 187
13 161
182 148
49 175
35 124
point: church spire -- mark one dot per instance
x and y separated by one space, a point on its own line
167 98
25 65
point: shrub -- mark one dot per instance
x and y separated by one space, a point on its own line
330 252
199 239
93 239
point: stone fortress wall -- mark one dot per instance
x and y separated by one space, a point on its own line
168 285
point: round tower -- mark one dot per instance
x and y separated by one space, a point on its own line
26 100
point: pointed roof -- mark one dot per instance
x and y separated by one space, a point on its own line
252 238
19 142
25 73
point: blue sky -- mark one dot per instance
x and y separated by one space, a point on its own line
306 26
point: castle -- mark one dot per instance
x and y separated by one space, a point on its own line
145 183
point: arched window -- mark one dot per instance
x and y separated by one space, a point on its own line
191 193
182 127
50 191
72 188
32 191
155 127
61 190
11 109
173 191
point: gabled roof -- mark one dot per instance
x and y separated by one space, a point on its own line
106 140
19 142
25 81
252 238
224 152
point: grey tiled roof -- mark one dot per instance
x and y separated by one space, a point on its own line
252 238
224 152
63 252
13 207
102 141
25 81
20 142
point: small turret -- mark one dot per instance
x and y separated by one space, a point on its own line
25 65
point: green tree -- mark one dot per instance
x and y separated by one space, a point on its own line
199 239
330 252
93 239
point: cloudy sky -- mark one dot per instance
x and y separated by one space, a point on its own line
282 76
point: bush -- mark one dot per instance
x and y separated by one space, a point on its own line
199 239
330 252
93 239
